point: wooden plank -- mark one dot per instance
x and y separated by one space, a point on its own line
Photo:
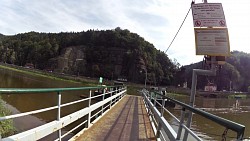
128 120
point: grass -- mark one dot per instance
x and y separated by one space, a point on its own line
48 75
176 95
6 126
242 96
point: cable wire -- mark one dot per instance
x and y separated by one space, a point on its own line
180 27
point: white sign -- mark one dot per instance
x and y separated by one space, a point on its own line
208 15
212 41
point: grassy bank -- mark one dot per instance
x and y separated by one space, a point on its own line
6 126
49 75
132 88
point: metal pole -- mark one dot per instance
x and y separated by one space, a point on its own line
146 78
196 72
103 97
181 122
59 114
162 107
89 115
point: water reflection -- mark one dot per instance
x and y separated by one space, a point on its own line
27 102
237 110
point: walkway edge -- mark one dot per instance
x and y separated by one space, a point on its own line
91 124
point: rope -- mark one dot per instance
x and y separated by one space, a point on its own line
180 27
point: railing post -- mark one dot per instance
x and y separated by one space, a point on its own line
59 114
89 115
110 101
103 97
162 107
151 95
155 99
158 133
181 122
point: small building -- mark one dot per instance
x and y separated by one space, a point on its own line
29 65
210 87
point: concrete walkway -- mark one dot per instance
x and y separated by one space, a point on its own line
126 121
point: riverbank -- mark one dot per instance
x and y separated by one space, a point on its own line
6 126
50 75
85 81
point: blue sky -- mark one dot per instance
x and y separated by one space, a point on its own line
156 21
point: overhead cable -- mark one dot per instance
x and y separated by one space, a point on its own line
179 27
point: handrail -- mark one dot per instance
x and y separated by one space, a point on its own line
239 128
46 90
115 93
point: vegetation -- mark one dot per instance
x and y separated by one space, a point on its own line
6 126
234 73
111 54
115 54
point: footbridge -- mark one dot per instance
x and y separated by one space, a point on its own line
108 114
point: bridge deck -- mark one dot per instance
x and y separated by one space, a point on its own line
126 121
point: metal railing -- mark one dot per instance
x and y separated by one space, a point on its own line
109 96
165 131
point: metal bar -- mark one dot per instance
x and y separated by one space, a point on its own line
192 133
165 125
181 122
196 72
221 121
74 102
162 107
89 114
59 114
103 97
45 90
176 119
110 101
27 113
70 131
53 126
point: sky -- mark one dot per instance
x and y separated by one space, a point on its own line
157 21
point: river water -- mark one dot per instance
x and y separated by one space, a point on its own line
237 110
27 102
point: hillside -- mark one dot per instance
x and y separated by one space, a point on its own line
235 71
111 54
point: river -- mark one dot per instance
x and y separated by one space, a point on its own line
222 107
26 102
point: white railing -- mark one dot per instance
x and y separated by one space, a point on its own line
107 99
164 131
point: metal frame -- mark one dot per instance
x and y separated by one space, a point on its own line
167 132
56 125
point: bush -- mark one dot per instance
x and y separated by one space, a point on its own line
6 126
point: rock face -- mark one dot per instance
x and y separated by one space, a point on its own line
110 63
70 60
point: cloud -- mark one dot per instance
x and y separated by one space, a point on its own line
156 21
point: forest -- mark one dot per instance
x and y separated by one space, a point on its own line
233 74
112 54
116 54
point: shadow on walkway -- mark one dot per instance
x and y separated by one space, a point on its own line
127 121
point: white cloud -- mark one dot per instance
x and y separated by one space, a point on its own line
156 21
